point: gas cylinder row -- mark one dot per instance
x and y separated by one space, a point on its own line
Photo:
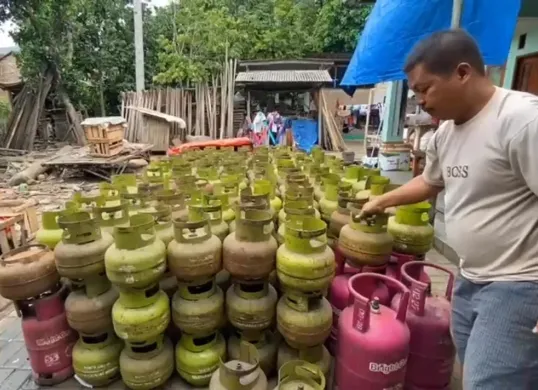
134 262
387 337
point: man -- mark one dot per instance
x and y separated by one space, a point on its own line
484 157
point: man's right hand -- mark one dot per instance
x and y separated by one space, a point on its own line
371 208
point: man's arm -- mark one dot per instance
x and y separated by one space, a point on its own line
414 191
523 154
420 188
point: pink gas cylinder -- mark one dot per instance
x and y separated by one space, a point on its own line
373 340
397 260
49 339
339 295
431 351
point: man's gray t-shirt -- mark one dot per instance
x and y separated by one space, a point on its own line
489 168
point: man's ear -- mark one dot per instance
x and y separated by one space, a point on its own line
463 71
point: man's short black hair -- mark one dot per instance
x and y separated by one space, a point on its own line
443 51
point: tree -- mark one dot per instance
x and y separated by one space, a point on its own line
338 26
205 31
87 45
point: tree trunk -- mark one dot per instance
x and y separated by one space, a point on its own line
30 173
102 97
73 117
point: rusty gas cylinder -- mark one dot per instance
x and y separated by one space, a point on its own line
27 271
249 252
82 251
365 241
89 306
195 253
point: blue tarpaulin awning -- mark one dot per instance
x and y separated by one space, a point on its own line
394 26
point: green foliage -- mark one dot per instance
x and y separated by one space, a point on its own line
5 109
339 24
199 33
89 45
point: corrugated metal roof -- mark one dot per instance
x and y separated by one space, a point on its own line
284 76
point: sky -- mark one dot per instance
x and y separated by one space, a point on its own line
6 41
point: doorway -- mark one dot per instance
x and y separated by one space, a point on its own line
526 79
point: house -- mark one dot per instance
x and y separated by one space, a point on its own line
10 75
521 69
290 86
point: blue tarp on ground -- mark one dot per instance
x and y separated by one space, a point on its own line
305 133
394 26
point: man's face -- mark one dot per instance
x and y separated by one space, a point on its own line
439 95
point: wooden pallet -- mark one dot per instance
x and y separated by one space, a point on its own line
106 149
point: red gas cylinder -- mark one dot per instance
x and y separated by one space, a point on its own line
373 340
48 337
431 352
339 295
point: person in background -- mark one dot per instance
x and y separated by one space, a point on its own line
485 156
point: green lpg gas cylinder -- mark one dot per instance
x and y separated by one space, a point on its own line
329 203
305 262
411 229
147 367
265 343
168 283
125 183
141 314
214 214
198 307
293 209
89 306
50 233
96 359
264 186
251 306
317 355
363 178
304 321
197 358
352 174
195 253
300 375
81 253
137 202
250 200
228 214
137 258
365 241
300 194
110 217
164 229
240 374
86 201
249 252
174 199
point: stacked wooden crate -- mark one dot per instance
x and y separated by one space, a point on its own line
105 135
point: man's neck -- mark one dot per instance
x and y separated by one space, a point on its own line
481 94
